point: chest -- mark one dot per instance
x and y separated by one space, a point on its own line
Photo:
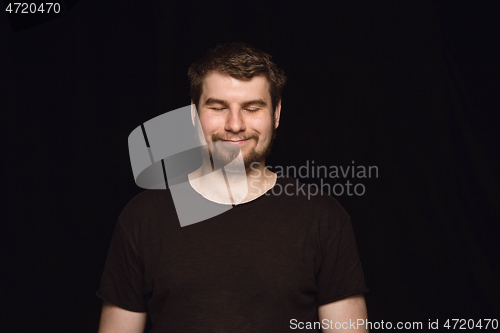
271 261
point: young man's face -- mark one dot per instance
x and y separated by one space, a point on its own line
238 112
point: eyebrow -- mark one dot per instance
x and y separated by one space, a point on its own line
257 102
211 101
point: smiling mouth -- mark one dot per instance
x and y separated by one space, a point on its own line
237 142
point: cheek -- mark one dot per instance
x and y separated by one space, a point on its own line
265 133
208 125
262 124
266 127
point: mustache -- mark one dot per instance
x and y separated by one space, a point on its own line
217 137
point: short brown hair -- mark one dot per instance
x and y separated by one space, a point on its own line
240 61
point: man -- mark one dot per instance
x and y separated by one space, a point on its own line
275 262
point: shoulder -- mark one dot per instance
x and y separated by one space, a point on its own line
145 208
146 200
151 200
322 213
308 197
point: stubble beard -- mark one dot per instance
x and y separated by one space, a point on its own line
253 157
224 153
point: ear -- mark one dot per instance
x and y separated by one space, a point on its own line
193 113
277 114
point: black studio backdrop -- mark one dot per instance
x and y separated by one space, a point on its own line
408 86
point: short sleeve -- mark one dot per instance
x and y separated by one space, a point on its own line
341 274
122 281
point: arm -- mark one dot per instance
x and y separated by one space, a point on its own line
350 308
117 320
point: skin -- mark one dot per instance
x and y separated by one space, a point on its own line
238 111
343 311
231 110
117 320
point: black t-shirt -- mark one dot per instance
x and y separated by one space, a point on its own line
254 268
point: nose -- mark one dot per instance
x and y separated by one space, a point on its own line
234 121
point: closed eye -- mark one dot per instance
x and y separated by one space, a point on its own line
248 110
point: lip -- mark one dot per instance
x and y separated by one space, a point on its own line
239 142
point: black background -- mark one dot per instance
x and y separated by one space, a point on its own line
411 87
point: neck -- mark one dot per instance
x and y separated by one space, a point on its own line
228 186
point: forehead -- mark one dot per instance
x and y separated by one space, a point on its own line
222 86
